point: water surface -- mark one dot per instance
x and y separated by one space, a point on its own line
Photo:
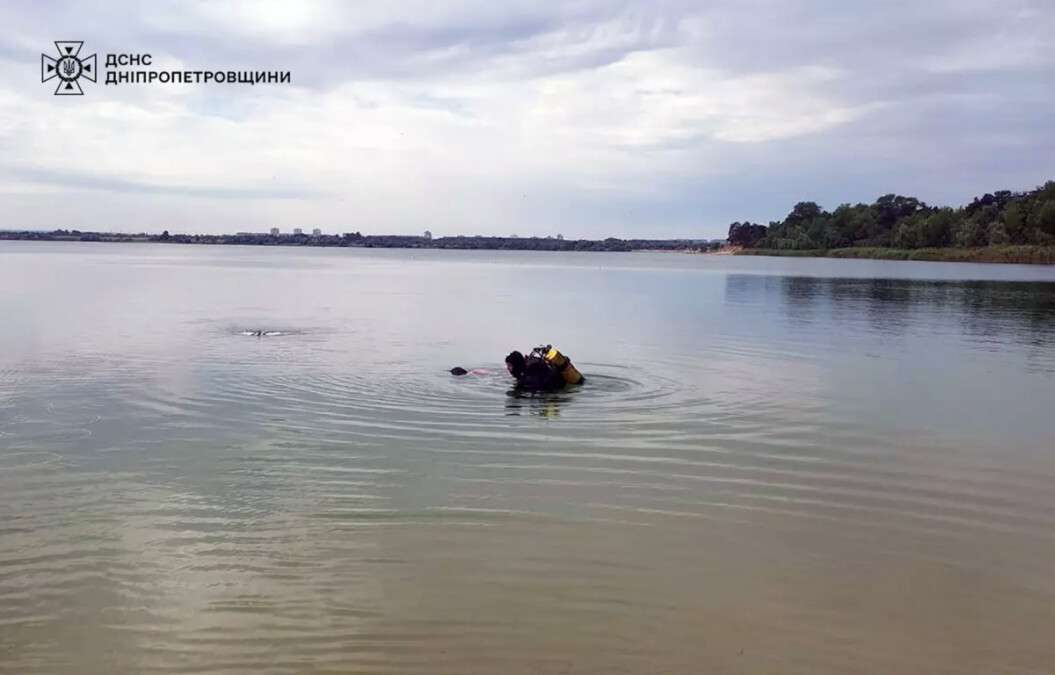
777 465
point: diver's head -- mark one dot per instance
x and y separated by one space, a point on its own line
515 364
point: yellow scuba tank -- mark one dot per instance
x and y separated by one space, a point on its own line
562 363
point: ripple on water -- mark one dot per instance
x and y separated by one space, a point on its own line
378 447
318 514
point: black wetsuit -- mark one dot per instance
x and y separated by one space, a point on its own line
539 376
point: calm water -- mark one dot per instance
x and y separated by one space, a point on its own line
777 465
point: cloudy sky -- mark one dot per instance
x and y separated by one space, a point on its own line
637 118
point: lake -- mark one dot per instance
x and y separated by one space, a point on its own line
775 465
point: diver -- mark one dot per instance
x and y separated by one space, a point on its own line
533 373
544 369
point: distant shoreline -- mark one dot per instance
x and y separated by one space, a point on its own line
1026 254
998 227
1013 254
357 240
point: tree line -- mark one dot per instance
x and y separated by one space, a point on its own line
359 240
894 221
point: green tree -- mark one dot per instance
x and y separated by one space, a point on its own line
997 234
937 229
969 233
803 212
999 217
1043 217
910 232
1015 223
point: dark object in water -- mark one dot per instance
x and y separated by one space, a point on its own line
533 373
458 370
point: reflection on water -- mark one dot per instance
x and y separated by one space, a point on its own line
774 466
987 310
600 391
537 403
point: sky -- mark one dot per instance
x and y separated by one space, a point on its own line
641 118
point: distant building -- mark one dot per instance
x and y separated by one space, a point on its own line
428 235
316 232
560 237
274 231
297 230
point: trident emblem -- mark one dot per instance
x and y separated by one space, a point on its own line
69 68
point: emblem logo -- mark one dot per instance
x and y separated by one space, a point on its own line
69 67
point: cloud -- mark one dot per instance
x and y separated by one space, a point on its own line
72 180
588 118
